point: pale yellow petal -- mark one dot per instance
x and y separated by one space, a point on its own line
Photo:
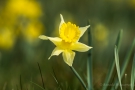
83 29
68 57
56 52
56 40
62 21
80 47
43 37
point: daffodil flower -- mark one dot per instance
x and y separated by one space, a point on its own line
67 42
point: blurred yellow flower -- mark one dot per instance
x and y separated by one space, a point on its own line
131 3
32 31
21 18
29 8
68 41
100 32
6 39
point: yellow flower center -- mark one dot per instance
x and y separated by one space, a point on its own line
64 45
69 32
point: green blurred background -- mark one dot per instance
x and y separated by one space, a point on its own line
22 21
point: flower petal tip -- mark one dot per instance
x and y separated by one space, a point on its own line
49 58
90 47
61 16
88 26
43 37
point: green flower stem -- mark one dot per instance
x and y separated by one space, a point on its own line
89 61
79 78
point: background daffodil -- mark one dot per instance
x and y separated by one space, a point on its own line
68 41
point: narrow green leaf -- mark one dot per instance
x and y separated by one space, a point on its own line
127 58
79 78
41 75
125 63
111 67
89 61
133 74
37 85
55 78
117 65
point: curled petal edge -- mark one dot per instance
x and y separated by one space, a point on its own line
56 52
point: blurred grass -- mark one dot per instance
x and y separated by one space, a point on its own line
112 62
133 74
125 63
21 22
117 65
